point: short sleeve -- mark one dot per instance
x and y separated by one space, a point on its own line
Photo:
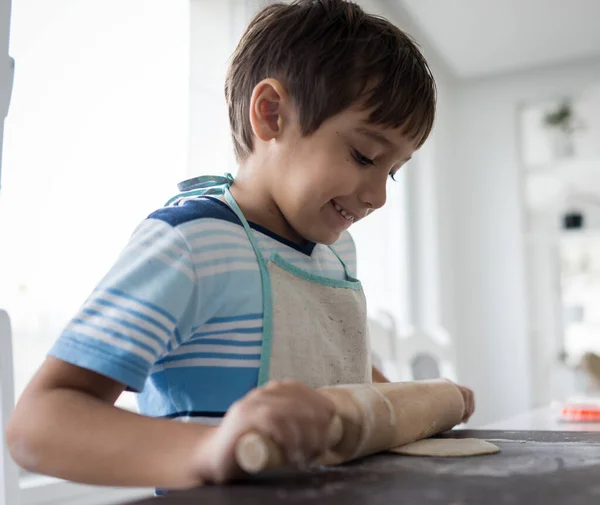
345 248
133 316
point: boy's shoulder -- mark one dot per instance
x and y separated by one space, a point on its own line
192 209
194 215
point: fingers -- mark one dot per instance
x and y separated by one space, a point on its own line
472 409
294 416
469 399
297 418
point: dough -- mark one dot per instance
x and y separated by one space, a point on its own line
447 447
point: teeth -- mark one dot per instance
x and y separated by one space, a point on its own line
343 212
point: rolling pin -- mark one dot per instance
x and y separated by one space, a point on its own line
369 418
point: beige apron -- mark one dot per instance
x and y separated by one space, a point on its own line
315 328
319 329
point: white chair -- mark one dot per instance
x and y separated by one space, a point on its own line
411 354
9 473
383 338
425 354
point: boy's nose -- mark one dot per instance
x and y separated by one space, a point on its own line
374 193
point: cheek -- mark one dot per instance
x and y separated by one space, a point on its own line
321 171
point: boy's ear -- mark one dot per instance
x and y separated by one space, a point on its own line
267 109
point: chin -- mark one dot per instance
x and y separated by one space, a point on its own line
331 239
325 238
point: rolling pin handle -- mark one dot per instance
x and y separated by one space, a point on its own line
255 453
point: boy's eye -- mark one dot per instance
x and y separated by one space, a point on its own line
393 176
362 160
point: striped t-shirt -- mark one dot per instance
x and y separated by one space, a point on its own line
179 316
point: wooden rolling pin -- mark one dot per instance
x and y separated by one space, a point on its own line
370 418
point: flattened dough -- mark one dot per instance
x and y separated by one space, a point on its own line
447 447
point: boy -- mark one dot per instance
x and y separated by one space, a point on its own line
241 283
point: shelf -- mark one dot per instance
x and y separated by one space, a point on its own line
567 166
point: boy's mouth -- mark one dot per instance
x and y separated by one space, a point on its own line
346 215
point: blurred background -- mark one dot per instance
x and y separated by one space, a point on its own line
492 235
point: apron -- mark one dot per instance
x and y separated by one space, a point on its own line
314 328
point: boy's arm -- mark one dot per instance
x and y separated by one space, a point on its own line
65 424
84 438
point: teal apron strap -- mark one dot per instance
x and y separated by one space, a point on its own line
265 356
206 185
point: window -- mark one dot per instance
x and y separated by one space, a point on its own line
96 138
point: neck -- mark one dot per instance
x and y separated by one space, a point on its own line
253 195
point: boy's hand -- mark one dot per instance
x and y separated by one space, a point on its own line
293 415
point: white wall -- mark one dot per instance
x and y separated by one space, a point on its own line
216 28
466 216
484 237
211 44
425 220
6 70
8 471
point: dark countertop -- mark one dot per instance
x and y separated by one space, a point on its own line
534 468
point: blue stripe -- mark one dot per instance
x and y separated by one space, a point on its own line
146 332
246 317
116 334
245 331
212 341
156 308
106 303
132 360
177 336
191 210
218 355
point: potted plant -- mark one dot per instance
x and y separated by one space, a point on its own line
562 124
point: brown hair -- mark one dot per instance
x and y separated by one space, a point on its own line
330 54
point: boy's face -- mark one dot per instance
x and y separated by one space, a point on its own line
327 181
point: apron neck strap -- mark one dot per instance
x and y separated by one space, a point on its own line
235 207
205 181
205 185
265 355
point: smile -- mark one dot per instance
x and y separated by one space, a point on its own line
343 212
